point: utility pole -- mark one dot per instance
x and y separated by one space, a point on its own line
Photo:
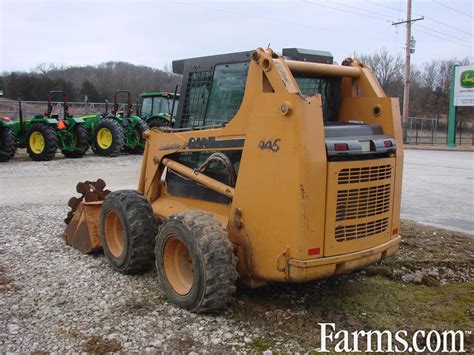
406 86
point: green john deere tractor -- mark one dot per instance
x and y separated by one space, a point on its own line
7 140
118 131
159 108
43 135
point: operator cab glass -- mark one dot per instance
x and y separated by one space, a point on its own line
213 97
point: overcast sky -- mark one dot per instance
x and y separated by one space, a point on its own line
153 33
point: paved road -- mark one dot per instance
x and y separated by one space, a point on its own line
438 189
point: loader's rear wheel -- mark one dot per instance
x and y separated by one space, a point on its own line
80 140
195 262
41 142
109 138
140 128
127 231
7 144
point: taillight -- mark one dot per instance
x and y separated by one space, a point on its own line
340 147
6 119
387 144
314 251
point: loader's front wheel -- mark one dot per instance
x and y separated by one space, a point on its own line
195 262
127 231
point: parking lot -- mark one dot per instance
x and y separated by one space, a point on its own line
438 189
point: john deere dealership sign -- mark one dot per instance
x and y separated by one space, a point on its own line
464 86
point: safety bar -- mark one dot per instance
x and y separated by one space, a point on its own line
194 175
299 67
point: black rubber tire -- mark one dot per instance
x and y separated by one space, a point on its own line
82 142
158 122
7 144
118 138
50 141
141 127
213 261
138 230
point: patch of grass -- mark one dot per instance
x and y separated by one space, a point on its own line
262 344
354 302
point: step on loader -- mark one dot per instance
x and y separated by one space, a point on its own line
280 168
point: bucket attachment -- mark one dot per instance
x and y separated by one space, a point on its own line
82 231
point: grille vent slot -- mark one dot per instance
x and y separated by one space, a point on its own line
364 174
363 202
361 230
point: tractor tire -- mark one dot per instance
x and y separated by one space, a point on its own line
195 262
41 142
81 139
7 144
109 138
141 127
127 231
158 122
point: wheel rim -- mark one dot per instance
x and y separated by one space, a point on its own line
178 265
37 142
104 138
114 234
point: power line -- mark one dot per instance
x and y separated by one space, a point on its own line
444 34
391 8
447 25
452 9
272 19
427 28
442 38
359 9
426 17
349 11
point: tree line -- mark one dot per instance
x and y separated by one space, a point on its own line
429 87
429 97
96 82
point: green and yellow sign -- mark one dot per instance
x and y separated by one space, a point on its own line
467 79
463 86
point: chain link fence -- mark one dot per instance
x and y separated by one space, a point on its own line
432 131
32 108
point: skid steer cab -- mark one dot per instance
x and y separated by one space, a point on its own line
280 168
117 131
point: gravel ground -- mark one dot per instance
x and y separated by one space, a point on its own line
55 299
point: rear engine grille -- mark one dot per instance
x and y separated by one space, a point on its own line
363 202
361 230
364 174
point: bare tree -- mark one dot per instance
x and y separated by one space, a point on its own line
386 67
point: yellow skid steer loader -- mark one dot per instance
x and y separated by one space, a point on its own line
280 168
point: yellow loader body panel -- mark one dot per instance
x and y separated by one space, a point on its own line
294 214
